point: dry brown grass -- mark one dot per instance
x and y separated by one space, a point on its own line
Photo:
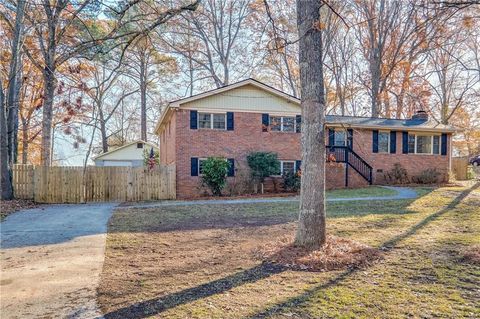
336 254
198 261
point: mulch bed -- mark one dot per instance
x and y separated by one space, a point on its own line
337 253
10 206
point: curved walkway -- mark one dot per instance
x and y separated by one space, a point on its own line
402 193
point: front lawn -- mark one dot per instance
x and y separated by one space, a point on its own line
372 191
197 261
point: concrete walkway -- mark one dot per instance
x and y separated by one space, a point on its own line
51 259
402 193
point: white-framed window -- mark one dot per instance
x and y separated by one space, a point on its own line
340 137
383 142
287 166
282 123
200 165
214 121
424 144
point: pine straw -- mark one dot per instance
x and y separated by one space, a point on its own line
337 253
472 254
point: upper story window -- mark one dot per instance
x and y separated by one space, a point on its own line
139 145
423 144
340 137
383 142
282 123
212 121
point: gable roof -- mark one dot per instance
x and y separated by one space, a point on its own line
124 146
235 85
331 120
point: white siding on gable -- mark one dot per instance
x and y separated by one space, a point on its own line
247 98
117 163
130 152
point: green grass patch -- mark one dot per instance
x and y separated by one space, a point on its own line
372 191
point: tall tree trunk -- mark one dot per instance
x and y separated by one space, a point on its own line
143 97
14 83
311 231
12 116
375 78
6 181
25 137
103 128
47 116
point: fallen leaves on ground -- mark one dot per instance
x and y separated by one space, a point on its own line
337 253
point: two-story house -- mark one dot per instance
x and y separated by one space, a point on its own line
249 116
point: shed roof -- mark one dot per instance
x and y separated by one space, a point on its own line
124 146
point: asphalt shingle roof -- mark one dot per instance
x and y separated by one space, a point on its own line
383 122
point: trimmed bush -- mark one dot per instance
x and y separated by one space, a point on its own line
428 176
291 181
262 165
214 174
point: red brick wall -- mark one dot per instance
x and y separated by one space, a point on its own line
413 163
248 137
168 141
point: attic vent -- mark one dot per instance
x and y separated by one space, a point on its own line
139 145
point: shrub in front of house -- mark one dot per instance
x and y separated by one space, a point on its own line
397 175
291 181
263 165
428 176
214 174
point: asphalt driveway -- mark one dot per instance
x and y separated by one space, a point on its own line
51 258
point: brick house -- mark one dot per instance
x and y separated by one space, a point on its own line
249 116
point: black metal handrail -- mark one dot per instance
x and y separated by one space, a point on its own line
345 154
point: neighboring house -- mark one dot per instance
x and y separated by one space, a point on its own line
248 116
130 154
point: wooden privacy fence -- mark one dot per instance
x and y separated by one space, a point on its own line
63 184
460 167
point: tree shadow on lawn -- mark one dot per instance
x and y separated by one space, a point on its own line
202 217
387 246
158 305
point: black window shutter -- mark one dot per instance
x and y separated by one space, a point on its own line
298 165
231 167
350 138
331 137
265 122
444 144
393 142
193 119
230 121
194 166
298 119
405 142
375 141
